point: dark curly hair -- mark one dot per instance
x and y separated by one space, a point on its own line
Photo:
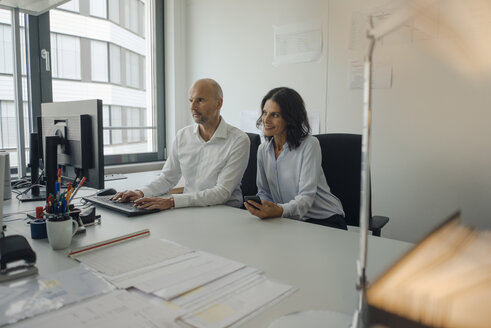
293 112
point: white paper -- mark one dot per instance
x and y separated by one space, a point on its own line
118 309
131 255
173 280
359 24
297 43
221 286
131 278
45 293
238 306
381 74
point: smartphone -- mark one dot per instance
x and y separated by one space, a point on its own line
254 199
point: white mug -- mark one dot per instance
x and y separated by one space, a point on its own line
60 233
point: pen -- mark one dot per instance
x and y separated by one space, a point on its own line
75 183
48 203
68 194
78 187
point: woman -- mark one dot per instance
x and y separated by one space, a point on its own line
290 179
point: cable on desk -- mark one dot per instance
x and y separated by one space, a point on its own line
20 183
23 218
25 182
15 213
19 194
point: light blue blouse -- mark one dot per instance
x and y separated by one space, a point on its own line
295 181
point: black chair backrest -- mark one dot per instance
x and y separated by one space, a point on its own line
341 163
249 186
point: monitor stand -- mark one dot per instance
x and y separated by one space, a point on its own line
33 195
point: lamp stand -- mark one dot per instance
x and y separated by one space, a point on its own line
360 317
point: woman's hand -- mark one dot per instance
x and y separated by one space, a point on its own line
265 210
154 203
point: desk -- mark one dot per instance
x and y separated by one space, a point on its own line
319 261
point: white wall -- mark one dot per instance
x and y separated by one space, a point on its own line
431 129
232 42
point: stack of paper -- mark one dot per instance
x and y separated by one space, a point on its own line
239 305
130 256
200 289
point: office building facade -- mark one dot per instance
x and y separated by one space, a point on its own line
98 50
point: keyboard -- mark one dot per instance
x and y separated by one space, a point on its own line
125 208
115 176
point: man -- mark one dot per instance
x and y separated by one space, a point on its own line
211 156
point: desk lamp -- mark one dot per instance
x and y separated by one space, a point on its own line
470 55
17 258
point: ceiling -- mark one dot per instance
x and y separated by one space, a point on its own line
31 7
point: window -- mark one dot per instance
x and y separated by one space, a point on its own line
6 49
114 10
66 56
8 110
127 13
98 8
116 121
98 60
115 63
134 12
106 122
8 128
134 120
9 125
115 58
73 5
6 44
132 70
133 24
106 61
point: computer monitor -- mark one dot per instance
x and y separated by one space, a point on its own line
35 192
72 138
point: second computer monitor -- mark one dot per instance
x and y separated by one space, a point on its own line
76 128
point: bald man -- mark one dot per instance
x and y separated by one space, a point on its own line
211 155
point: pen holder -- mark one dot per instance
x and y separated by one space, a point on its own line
60 229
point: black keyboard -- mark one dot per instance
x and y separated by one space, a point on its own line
126 208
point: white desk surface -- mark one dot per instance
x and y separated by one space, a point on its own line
319 261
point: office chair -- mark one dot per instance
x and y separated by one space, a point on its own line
341 163
248 185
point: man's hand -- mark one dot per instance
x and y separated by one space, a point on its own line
265 210
127 196
155 203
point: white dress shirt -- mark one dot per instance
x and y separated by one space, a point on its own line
295 181
212 169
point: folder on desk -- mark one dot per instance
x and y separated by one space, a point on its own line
444 281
